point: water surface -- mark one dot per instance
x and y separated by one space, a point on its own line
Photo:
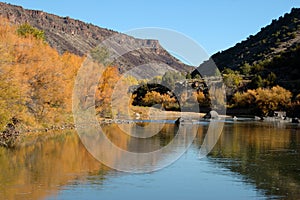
252 160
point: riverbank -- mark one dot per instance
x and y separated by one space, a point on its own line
11 136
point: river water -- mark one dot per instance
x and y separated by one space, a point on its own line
251 160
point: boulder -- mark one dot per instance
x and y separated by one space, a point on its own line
211 115
177 121
295 120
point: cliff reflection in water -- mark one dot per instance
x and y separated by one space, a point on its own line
265 154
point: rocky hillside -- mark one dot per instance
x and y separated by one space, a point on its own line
279 36
66 34
275 47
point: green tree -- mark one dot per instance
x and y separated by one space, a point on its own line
227 71
26 29
197 76
170 78
246 69
100 55
156 80
232 80
258 67
256 82
188 75
271 79
217 72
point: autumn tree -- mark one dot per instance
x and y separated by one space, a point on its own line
105 88
36 82
200 98
245 99
11 104
264 100
167 102
276 98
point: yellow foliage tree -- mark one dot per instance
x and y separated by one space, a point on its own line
106 86
200 98
38 81
153 97
265 100
276 98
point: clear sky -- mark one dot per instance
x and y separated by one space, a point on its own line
214 24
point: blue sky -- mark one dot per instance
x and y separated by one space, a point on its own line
214 24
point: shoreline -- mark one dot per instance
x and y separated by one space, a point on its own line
10 137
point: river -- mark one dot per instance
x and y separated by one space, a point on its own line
251 160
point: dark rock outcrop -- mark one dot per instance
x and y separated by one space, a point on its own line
211 115
177 121
295 120
9 136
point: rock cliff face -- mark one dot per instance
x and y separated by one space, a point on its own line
66 34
